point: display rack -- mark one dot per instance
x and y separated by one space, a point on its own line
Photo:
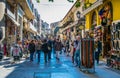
87 55
114 58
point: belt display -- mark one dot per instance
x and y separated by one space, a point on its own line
87 53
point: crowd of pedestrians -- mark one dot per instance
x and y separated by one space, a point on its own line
33 48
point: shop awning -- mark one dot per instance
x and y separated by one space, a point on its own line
93 6
13 20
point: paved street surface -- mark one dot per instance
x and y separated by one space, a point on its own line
54 69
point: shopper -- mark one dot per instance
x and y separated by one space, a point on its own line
45 50
58 48
75 42
31 48
38 49
77 52
16 52
67 47
49 48
98 50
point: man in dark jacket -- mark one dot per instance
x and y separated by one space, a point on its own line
50 48
31 48
45 50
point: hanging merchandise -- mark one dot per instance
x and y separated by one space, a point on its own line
119 35
1 33
87 54
117 45
115 41
104 21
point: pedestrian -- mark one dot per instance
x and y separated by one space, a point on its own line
31 49
74 49
67 47
38 49
58 48
49 48
16 53
98 50
53 45
77 52
45 50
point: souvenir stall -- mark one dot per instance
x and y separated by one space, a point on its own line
106 17
114 55
87 55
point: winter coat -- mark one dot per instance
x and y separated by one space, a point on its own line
58 46
31 47
50 45
45 47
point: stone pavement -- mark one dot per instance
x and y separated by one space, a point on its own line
53 69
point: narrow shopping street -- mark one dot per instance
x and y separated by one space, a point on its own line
59 39
53 69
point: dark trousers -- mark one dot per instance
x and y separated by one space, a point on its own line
49 55
46 56
31 56
97 57
73 56
38 52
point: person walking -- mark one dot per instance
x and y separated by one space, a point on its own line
45 50
67 47
75 42
58 48
98 50
77 52
38 49
49 48
31 48
16 53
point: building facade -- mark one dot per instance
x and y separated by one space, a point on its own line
19 21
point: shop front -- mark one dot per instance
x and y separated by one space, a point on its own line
103 24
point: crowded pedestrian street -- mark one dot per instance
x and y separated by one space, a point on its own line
53 69
59 39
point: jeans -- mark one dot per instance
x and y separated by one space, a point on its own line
57 54
77 57
31 56
49 55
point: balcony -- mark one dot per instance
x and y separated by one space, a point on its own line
27 7
32 27
93 6
11 16
10 13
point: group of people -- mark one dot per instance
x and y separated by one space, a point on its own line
47 46
35 47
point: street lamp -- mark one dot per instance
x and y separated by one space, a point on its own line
81 21
78 14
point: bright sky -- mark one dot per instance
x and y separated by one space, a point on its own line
53 11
